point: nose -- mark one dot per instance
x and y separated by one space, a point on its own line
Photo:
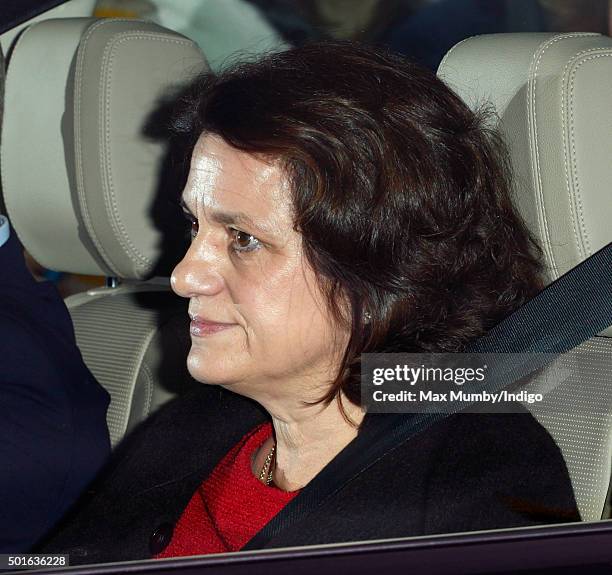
196 274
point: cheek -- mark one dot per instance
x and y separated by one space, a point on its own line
266 310
291 317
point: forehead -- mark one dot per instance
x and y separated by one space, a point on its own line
224 178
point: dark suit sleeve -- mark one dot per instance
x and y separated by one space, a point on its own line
53 433
36 437
497 471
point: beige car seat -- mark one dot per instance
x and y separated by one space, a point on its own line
84 188
552 96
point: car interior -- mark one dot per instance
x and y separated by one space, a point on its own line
89 186
546 93
117 69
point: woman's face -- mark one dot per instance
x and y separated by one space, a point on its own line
246 268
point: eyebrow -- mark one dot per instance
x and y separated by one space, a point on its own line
228 218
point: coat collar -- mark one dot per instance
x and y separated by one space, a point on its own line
224 418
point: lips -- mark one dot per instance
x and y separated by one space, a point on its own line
200 326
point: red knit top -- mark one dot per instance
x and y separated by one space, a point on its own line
230 507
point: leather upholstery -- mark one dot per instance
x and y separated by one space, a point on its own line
551 98
81 177
77 164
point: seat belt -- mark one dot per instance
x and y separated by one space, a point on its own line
574 308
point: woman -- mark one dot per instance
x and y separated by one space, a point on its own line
341 201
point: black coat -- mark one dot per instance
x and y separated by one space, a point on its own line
469 472
52 410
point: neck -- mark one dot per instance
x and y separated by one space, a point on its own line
307 439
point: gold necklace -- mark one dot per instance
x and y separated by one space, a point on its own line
266 471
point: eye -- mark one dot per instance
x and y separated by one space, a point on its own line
244 242
192 225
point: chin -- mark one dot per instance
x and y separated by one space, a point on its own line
208 370
197 369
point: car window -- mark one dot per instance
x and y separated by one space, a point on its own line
422 30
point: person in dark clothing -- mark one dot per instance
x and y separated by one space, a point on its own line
341 200
53 433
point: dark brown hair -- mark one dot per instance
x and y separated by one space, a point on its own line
401 193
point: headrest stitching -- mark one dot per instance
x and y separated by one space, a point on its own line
115 218
533 144
574 207
577 61
87 220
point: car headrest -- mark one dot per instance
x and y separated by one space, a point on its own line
79 172
552 94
